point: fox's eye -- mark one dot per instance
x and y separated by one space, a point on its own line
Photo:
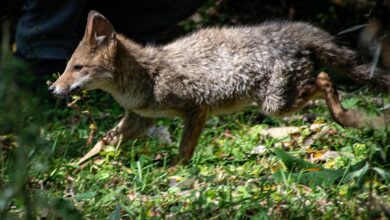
77 67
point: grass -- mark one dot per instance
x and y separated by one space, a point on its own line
225 179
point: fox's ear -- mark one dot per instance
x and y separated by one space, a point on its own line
99 30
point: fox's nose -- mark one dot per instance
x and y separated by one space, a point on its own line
52 88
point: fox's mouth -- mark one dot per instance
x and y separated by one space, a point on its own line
74 89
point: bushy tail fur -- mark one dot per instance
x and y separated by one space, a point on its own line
348 62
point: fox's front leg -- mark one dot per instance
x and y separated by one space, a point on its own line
194 121
130 126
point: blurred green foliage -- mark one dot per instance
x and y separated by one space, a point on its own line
24 154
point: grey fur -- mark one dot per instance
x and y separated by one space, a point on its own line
231 67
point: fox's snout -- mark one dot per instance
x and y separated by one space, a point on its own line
52 88
58 91
64 85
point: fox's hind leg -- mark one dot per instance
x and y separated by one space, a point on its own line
322 87
342 116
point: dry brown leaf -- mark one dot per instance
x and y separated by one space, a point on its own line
161 156
312 138
324 155
313 169
260 149
181 182
277 167
161 133
280 132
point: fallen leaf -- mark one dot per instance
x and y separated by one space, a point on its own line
181 182
161 156
324 155
161 133
313 169
289 144
330 164
259 149
321 131
316 126
280 132
276 168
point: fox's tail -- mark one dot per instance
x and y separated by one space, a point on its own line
349 63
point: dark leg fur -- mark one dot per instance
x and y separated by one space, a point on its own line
323 88
339 114
193 125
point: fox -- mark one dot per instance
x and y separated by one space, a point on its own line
277 66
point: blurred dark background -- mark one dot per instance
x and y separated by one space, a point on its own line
157 21
44 33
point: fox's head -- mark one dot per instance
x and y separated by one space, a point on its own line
92 63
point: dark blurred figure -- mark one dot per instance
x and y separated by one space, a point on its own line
48 31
